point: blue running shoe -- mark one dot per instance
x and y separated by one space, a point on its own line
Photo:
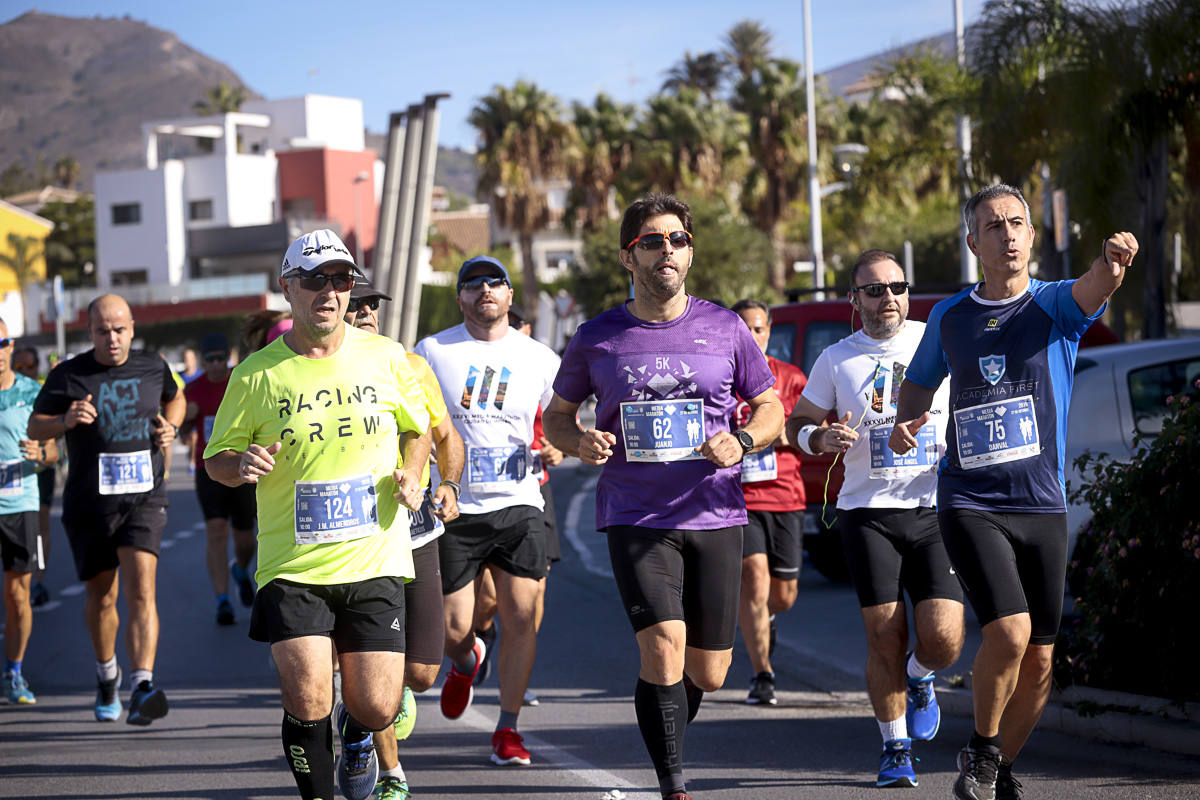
244 584
108 704
147 704
17 689
225 611
357 768
896 765
922 714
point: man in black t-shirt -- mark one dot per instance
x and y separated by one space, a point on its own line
107 404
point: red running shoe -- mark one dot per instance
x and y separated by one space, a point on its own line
457 691
508 748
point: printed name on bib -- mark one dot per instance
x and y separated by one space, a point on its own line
656 431
126 473
995 433
335 511
491 469
886 464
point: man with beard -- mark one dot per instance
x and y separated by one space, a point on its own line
493 379
889 527
666 369
1009 344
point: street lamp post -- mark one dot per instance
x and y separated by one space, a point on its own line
359 178
814 181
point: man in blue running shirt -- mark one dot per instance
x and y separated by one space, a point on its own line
1009 345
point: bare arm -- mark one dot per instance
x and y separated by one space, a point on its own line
562 429
1095 286
450 459
232 468
414 453
912 411
51 426
764 427
836 438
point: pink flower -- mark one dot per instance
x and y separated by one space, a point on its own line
1170 399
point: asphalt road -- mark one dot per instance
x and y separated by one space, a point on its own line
221 738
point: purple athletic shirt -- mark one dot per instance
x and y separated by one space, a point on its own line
707 354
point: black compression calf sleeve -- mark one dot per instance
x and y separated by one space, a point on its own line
308 748
661 715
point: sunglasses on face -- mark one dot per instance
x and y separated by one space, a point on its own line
359 304
222 357
342 282
5 342
478 282
877 290
654 241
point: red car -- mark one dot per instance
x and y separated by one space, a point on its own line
799 332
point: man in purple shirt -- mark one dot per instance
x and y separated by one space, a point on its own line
666 369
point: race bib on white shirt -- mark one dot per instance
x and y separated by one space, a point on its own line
126 473
663 430
335 511
995 433
886 464
492 469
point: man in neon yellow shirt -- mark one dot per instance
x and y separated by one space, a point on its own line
317 420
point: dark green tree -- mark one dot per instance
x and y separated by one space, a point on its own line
71 246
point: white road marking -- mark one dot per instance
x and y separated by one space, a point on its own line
47 606
587 773
73 590
168 544
590 562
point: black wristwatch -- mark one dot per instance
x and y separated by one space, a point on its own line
745 440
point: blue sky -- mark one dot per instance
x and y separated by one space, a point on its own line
390 54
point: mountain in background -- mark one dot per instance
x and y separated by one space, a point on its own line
82 87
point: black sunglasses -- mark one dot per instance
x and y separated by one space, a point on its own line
342 282
357 303
876 290
654 241
5 342
216 357
478 281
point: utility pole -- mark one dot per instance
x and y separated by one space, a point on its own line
814 181
968 271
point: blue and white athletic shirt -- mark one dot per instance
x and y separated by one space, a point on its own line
1011 365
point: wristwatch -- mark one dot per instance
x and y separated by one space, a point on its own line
453 485
745 440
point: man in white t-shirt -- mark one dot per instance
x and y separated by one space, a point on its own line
890 530
493 379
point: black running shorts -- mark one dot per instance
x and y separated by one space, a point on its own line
138 522
363 617
553 546
20 550
425 624
694 576
778 534
894 550
511 538
218 501
1010 564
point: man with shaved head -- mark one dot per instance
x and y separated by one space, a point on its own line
119 410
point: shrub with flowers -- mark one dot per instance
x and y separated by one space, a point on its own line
1136 565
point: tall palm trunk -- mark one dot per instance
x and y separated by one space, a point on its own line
531 289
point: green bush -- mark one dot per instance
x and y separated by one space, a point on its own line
1136 566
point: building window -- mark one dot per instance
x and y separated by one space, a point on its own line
298 207
126 213
130 277
200 209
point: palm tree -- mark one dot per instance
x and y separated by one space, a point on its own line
701 72
220 99
684 143
747 45
66 172
605 131
24 252
524 143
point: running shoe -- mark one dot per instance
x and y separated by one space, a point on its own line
530 699
225 612
406 720
458 691
146 704
488 635
508 748
244 583
922 714
108 704
390 788
678 796
896 764
357 767
39 595
17 689
1007 787
762 689
694 696
978 768
771 637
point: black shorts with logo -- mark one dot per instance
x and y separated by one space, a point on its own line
20 549
778 534
693 576
367 616
511 538
894 550
218 501
95 536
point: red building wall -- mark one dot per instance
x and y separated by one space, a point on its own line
327 178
